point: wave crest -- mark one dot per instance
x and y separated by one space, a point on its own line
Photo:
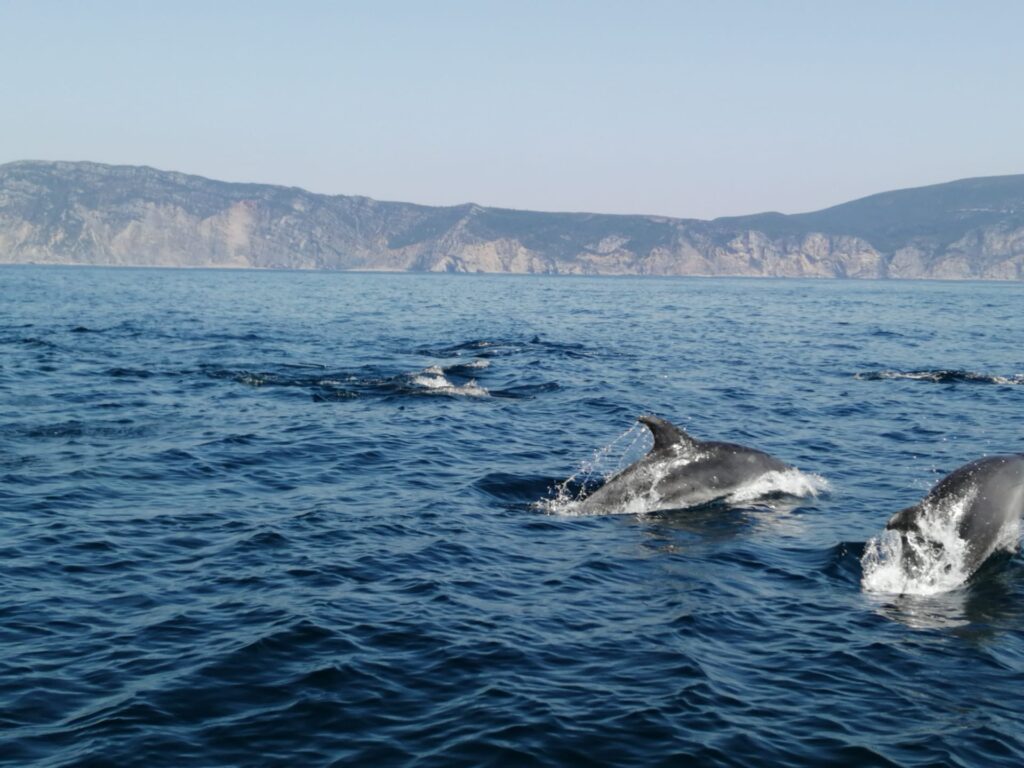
788 482
943 376
433 380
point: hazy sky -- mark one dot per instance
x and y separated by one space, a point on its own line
678 108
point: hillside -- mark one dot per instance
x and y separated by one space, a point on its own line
88 213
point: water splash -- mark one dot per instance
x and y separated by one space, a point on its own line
943 376
788 482
928 560
605 463
433 380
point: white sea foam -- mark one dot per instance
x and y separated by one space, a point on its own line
926 561
433 380
788 482
944 376
567 504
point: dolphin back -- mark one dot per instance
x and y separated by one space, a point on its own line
998 500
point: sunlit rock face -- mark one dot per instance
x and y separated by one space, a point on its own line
88 213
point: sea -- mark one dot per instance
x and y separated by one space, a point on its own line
287 518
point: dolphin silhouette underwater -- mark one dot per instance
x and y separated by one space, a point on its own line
680 471
981 503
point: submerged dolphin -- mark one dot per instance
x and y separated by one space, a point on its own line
680 471
978 502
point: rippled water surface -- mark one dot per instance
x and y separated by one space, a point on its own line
272 518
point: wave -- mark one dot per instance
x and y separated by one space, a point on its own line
129 373
526 391
434 381
457 378
513 488
490 348
943 376
463 368
122 428
788 482
480 348
276 379
345 385
29 341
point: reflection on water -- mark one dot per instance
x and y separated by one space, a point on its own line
986 605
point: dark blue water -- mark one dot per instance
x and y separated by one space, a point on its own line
243 522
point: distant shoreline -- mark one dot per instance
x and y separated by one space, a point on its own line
301 270
92 214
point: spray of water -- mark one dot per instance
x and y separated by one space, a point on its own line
925 561
602 465
788 482
433 380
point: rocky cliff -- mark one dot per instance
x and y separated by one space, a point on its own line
87 213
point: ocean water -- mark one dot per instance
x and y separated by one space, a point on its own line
281 518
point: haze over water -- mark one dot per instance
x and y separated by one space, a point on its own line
289 518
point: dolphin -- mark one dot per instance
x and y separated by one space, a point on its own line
680 471
979 501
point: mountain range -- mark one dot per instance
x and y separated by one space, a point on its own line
90 213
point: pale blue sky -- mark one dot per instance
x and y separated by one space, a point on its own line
677 108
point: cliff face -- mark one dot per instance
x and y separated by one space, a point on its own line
87 213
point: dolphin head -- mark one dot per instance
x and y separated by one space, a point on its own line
904 521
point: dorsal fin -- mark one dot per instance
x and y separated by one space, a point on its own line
666 434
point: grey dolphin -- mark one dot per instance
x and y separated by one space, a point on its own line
680 471
980 498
